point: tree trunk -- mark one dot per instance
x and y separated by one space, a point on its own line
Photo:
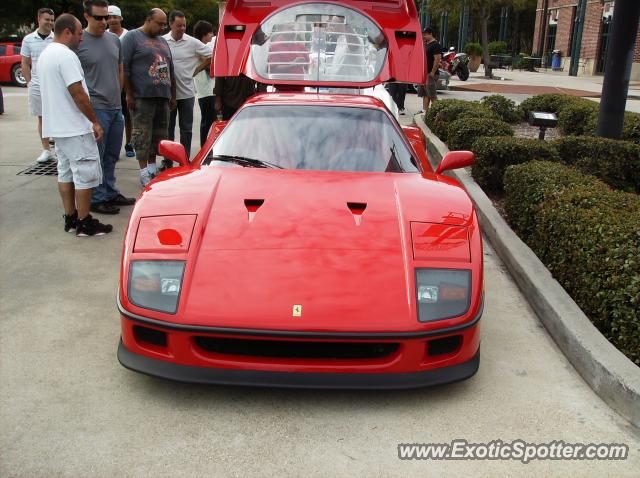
484 16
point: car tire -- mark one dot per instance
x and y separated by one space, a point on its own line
16 75
463 72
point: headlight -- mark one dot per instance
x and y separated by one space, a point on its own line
156 285
442 293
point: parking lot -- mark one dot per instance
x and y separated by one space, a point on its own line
67 407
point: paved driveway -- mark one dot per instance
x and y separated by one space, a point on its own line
67 408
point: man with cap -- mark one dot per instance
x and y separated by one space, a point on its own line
115 26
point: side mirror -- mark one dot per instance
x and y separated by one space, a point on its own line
455 160
173 151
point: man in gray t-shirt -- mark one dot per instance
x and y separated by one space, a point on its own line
150 88
101 59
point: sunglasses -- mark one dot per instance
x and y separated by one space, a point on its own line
100 17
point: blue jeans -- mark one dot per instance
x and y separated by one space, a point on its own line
184 111
112 123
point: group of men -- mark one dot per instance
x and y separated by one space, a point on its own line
88 86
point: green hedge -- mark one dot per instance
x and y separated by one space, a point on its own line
454 111
549 103
588 236
502 106
615 162
576 117
494 155
463 132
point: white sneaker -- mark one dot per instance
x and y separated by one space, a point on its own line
153 169
45 156
145 177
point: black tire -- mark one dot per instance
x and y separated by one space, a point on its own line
463 72
16 75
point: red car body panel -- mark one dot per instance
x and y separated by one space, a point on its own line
281 263
398 20
11 58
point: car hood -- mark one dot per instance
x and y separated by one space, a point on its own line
303 250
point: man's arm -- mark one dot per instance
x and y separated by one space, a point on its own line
436 64
81 100
26 68
202 66
121 75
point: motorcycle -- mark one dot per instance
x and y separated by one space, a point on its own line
456 63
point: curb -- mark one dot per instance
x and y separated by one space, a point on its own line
611 375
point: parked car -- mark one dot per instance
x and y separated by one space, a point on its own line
309 243
10 64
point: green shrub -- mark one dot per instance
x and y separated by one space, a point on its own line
505 108
497 47
615 162
519 62
464 131
549 103
631 128
473 49
455 111
588 236
576 117
494 155
438 106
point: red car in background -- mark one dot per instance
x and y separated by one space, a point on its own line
10 64
309 243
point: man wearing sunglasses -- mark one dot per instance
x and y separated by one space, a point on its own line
101 58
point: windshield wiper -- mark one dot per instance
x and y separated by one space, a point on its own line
256 163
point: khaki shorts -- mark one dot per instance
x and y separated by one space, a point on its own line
79 161
35 102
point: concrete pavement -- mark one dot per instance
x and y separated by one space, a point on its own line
67 408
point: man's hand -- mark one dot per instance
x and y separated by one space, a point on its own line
131 103
173 103
98 133
218 104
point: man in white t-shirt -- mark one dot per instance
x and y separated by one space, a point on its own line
32 45
187 53
68 118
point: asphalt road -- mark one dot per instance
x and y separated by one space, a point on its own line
67 408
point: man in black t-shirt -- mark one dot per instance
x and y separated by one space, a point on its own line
434 55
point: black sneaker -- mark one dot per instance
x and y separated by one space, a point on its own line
92 227
104 208
70 222
120 200
166 164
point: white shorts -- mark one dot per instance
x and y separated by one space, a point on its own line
79 161
35 102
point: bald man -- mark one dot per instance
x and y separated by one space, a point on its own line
150 88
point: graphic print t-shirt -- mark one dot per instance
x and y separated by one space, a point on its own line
148 64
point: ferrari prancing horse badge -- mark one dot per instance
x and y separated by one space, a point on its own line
297 310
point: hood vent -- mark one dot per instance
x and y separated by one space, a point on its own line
252 206
357 209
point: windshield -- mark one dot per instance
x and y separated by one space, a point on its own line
330 138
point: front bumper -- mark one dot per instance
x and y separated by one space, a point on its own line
261 378
272 358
